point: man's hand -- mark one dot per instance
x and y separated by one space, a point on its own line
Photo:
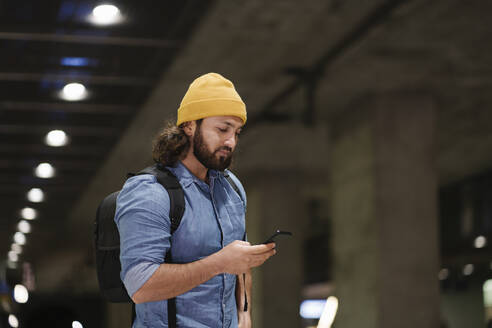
239 256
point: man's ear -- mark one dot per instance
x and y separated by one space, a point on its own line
189 128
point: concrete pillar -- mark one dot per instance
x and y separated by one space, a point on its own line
274 202
384 203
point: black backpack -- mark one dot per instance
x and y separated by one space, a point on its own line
107 238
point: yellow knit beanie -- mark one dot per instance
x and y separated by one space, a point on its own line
211 95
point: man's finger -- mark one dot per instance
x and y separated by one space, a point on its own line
262 248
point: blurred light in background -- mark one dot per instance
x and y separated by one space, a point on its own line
480 242
24 226
329 312
11 265
74 92
13 256
35 195
20 238
443 274
16 248
105 15
487 293
312 309
74 61
468 269
56 138
77 324
29 213
13 322
45 171
21 295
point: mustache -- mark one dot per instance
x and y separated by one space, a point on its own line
228 149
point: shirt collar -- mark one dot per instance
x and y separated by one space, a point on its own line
186 177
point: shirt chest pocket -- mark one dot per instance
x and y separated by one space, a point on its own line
235 210
236 216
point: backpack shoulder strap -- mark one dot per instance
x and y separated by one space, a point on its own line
173 188
233 185
176 210
227 175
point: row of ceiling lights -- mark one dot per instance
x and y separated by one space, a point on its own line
14 322
468 269
21 295
55 138
104 14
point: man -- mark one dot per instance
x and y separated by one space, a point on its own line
210 274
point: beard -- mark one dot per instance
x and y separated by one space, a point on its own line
210 159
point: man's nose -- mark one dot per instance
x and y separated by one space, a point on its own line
230 141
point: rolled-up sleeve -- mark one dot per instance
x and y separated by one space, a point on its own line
142 217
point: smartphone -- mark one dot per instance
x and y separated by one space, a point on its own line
276 234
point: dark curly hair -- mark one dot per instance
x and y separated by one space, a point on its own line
171 144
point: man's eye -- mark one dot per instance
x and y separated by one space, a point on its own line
222 129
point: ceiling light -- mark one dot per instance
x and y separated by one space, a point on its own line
21 295
13 256
13 322
487 293
16 248
480 242
20 238
468 269
77 324
443 274
35 195
45 171
105 15
74 61
56 138
74 92
312 309
29 213
24 226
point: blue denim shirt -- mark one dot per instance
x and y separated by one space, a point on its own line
213 217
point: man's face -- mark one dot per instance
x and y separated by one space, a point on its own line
215 140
